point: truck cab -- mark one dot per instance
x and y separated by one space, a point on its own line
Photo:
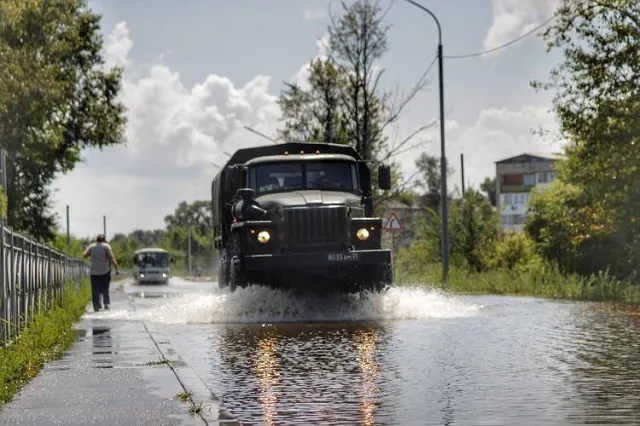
299 216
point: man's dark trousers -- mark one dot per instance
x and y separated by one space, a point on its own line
100 286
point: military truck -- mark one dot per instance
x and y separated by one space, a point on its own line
299 216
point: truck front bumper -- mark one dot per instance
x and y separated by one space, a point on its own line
266 262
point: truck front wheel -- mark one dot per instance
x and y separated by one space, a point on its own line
237 277
223 271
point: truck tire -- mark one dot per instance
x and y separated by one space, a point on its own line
223 271
376 279
237 276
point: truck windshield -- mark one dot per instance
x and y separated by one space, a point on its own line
288 176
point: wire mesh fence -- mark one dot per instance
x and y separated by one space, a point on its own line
31 279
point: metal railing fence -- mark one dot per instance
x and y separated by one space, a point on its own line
31 279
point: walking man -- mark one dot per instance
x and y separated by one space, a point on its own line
102 258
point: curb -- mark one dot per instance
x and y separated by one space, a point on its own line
201 399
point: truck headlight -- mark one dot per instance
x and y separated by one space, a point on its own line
362 234
264 237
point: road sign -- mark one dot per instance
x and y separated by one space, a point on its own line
393 223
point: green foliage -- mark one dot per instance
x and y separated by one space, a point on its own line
597 103
571 230
174 238
46 337
488 186
429 180
3 203
475 224
473 229
316 113
542 281
513 252
56 98
74 249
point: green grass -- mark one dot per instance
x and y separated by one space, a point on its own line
161 361
183 396
46 337
543 282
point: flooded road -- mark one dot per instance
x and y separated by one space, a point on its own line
406 357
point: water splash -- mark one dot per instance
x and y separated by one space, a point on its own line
260 304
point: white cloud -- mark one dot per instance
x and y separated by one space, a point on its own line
513 18
301 78
316 10
495 135
117 46
174 134
498 134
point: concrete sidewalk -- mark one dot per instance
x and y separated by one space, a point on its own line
112 376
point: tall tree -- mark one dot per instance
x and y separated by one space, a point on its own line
488 186
429 180
198 216
315 113
56 98
343 101
597 103
358 40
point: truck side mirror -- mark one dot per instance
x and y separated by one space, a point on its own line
384 177
245 193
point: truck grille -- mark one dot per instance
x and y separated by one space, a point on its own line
316 225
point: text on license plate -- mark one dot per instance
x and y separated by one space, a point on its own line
342 257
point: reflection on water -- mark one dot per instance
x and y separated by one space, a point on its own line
297 372
366 348
522 362
267 373
603 366
410 358
102 347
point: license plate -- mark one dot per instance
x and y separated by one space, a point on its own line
342 257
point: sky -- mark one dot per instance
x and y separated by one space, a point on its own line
198 71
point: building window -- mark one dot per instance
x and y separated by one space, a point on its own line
512 180
530 179
518 219
543 177
508 199
551 176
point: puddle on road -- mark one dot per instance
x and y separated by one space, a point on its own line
151 295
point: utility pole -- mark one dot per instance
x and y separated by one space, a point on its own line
189 249
104 225
68 229
462 172
443 157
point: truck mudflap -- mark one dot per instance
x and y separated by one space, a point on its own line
265 262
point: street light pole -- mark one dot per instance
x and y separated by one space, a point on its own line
443 157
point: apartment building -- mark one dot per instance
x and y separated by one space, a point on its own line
516 177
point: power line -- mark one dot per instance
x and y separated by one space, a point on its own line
417 86
507 44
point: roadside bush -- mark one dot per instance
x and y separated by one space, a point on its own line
45 338
512 251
